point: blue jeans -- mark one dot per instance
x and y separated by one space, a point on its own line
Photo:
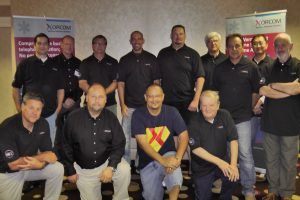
246 162
153 176
126 125
203 185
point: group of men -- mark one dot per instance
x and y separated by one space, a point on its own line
159 100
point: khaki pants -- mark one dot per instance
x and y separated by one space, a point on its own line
89 184
11 184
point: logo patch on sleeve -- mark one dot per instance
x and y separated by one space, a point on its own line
157 136
191 141
9 154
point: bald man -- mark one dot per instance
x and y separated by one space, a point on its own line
280 119
94 144
159 161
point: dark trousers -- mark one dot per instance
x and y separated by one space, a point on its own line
203 185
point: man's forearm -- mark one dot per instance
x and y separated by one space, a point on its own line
233 152
182 144
205 155
111 88
83 84
121 92
47 156
271 93
60 99
17 98
198 88
291 88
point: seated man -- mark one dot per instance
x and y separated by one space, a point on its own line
26 152
159 162
94 144
209 131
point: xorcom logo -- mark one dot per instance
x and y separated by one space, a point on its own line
267 22
58 28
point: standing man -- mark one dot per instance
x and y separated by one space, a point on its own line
69 67
26 152
213 57
154 128
237 81
280 119
100 68
94 145
182 74
40 74
209 132
137 71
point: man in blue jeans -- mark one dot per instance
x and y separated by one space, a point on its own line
159 161
237 80
209 132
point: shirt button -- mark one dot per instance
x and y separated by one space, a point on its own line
95 152
70 83
69 76
94 124
94 133
95 161
70 90
94 142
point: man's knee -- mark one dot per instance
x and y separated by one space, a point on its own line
55 169
124 168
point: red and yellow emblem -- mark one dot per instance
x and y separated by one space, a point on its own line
157 136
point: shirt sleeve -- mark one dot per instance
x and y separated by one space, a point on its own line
118 143
178 123
193 129
198 69
83 71
155 72
137 125
114 71
121 71
255 79
46 144
231 128
67 145
19 75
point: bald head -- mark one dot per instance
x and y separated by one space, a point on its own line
154 87
96 86
96 99
154 97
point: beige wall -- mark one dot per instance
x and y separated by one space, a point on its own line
117 18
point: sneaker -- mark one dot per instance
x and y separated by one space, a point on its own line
270 196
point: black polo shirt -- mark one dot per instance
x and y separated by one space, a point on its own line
137 71
70 70
212 137
209 64
281 117
236 84
263 64
104 72
33 75
179 72
16 141
90 142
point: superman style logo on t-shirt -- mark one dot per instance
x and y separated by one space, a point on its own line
157 136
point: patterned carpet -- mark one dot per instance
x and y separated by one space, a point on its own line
135 188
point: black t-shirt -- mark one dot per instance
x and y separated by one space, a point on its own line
282 116
209 64
179 72
70 70
16 141
137 71
104 72
236 84
212 137
45 78
158 129
90 142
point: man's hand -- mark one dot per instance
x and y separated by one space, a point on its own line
106 175
225 168
257 108
73 178
193 106
234 176
68 103
31 163
124 110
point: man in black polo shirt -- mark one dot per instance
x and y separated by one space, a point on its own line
69 66
40 74
137 70
209 132
26 152
94 144
280 119
100 68
182 74
237 80
213 57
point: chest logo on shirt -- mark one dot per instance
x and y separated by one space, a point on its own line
147 64
77 73
220 126
187 57
108 63
54 69
244 72
192 141
42 133
107 131
9 153
157 136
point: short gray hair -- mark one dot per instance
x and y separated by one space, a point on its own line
33 96
211 35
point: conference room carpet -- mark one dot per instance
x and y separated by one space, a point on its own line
135 189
